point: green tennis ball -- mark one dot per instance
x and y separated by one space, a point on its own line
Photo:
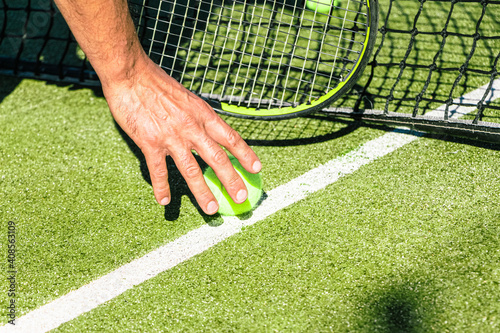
227 206
321 6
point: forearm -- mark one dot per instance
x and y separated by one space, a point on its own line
106 33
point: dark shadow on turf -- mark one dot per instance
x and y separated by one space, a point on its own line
395 308
296 131
7 86
351 127
9 83
97 90
465 141
358 122
178 185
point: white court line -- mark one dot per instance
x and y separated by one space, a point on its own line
97 292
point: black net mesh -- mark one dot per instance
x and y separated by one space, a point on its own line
36 42
434 61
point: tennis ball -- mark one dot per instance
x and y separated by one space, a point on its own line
321 6
227 206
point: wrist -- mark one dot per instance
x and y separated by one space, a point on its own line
120 64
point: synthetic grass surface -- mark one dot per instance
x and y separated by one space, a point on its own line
408 243
80 196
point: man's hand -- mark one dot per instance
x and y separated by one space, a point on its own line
160 115
163 118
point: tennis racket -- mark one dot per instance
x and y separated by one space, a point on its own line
260 59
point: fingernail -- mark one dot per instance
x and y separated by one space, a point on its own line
241 196
257 166
212 207
165 201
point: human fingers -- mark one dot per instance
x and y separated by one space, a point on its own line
234 143
158 172
191 172
217 158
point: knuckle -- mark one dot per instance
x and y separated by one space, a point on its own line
204 196
160 192
233 138
207 141
234 182
248 153
152 151
189 122
193 171
220 157
131 120
159 173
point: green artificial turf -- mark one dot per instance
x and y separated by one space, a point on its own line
408 243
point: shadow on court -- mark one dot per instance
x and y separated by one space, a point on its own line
7 86
283 133
397 308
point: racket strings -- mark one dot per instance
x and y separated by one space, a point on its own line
276 40
176 17
260 54
352 40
